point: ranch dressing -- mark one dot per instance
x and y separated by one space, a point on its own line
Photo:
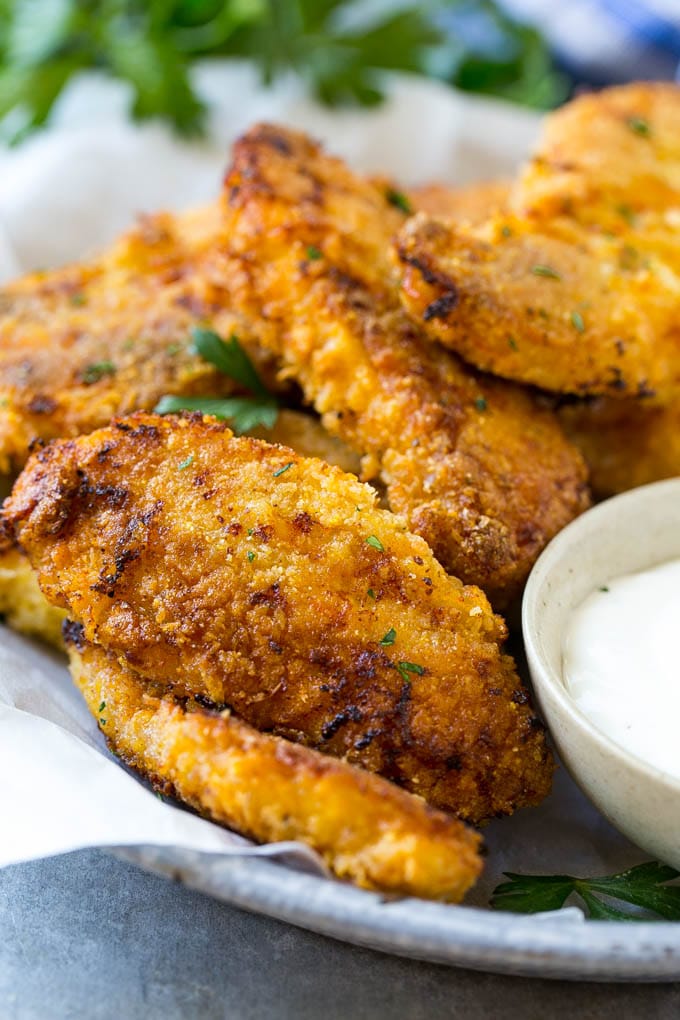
621 663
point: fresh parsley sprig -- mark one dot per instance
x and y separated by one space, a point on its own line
242 413
644 887
338 48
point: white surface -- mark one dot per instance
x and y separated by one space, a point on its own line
621 663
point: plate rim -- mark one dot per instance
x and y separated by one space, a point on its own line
469 937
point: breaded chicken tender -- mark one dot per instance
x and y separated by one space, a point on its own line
244 574
269 789
81 344
471 203
626 443
576 287
26 609
22 604
477 470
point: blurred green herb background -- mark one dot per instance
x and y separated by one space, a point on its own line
339 49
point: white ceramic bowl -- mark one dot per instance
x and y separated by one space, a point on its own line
625 534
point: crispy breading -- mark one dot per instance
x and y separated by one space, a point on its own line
26 609
625 442
270 583
269 789
22 604
112 335
477 470
471 203
576 288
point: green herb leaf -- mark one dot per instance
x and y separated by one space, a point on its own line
644 887
639 126
512 344
480 403
187 462
409 667
314 253
339 48
251 556
399 200
389 638
375 543
577 321
546 271
243 413
283 469
96 371
370 593
230 358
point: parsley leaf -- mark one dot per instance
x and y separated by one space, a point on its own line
339 48
243 413
389 638
230 358
644 887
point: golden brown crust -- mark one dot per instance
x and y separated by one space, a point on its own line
626 443
26 609
472 464
270 790
575 286
80 344
275 584
471 203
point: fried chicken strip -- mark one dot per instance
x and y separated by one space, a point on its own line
270 790
26 609
625 443
576 287
472 203
244 574
483 475
83 343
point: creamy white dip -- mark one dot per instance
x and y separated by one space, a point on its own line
621 663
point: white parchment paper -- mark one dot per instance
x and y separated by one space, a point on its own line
72 189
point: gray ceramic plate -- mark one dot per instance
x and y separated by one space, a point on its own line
547 947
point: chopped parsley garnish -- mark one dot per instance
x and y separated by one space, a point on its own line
283 469
375 543
78 299
242 413
603 587
546 271
370 593
512 344
251 556
626 213
577 321
101 707
409 667
644 886
639 126
314 253
506 231
399 200
389 638
97 370
186 463
480 403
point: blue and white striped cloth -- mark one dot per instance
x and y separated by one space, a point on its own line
606 41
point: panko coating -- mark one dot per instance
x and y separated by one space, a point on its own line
269 583
113 334
576 286
270 790
472 463
26 609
